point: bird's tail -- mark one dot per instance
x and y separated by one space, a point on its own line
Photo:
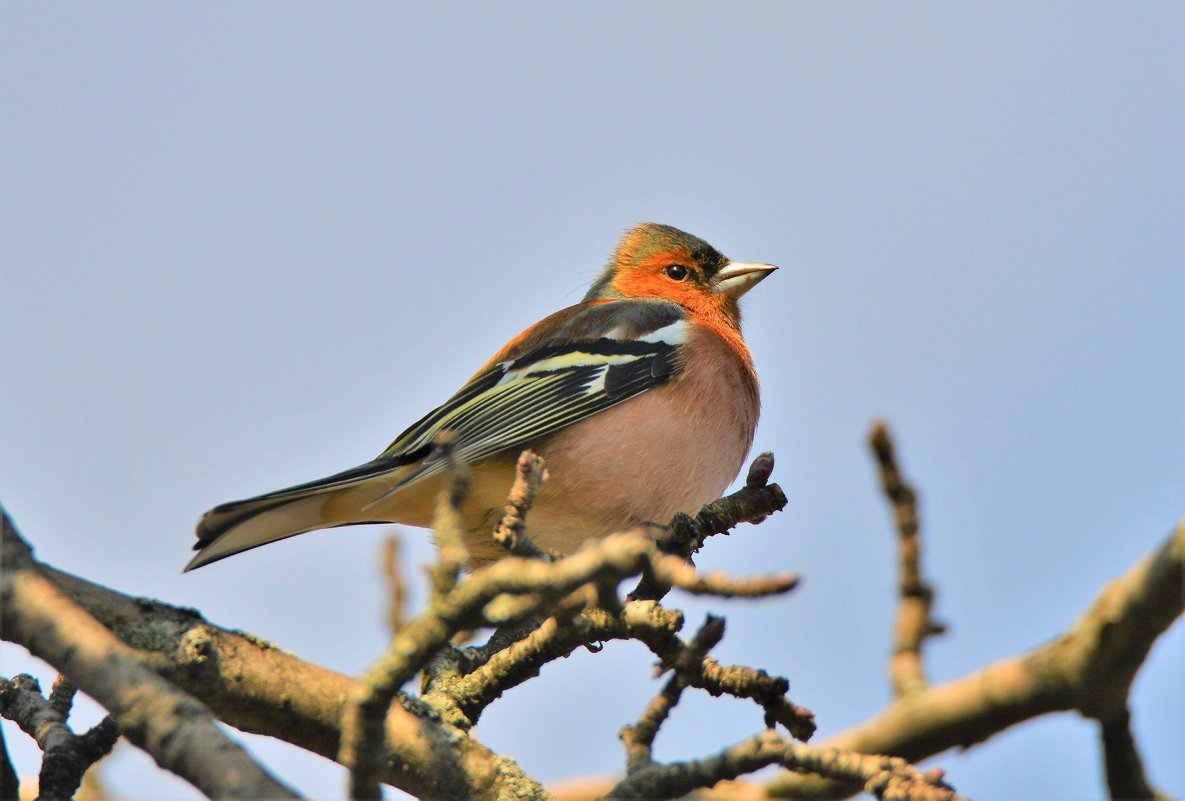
334 501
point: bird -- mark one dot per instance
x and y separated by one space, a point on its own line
642 399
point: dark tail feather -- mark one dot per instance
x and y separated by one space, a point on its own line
241 525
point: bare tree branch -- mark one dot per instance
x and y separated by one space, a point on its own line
249 683
540 584
67 756
639 738
884 777
520 589
180 733
1090 669
491 671
537 584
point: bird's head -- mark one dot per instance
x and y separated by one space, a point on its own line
658 261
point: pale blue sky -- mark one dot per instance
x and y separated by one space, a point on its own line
243 245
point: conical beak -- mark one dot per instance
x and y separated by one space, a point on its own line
738 278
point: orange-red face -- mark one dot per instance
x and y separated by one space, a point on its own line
658 261
675 274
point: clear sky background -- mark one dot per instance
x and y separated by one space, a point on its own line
243 245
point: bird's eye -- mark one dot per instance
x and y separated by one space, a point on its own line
676 272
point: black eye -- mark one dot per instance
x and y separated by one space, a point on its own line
676 272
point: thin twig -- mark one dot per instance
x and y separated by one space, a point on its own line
1125 770
768 691
639 737
673 571
685 535
884 777
914 621
497 667
511 531
396 583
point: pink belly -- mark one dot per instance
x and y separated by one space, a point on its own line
669 450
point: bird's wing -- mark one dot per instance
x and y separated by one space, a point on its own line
567 367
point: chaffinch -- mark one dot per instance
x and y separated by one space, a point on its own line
642 398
